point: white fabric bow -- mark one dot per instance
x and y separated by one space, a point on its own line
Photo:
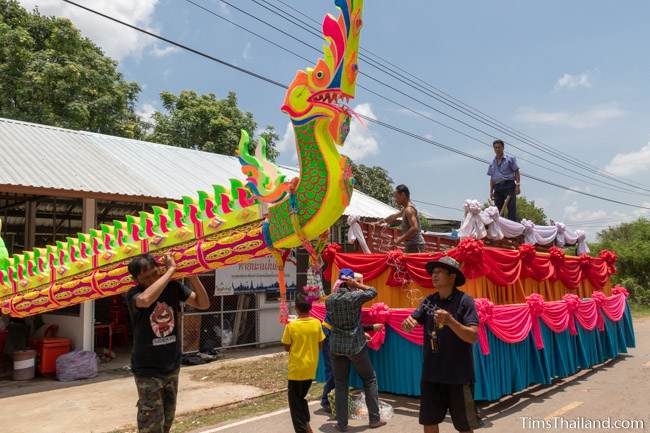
472 225
490 217
581 241
560 239
529 231
355 233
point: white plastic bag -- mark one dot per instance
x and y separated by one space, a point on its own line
359 410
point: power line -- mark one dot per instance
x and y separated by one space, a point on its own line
179 45
481 117
458 105
476 158
612 187
264 38
381 68
438 205
289 35
609 186
375 121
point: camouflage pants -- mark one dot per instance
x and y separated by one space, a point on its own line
156 402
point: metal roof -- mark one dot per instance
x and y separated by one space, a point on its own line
41 156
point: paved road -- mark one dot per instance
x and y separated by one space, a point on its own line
104 403
619 389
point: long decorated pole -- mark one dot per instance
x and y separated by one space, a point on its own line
227 225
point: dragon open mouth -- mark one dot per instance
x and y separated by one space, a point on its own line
331 97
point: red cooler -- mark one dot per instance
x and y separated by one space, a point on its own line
48 350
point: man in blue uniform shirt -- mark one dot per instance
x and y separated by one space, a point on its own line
505 181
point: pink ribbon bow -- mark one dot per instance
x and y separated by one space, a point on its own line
484 309
536 307
572 302
378 313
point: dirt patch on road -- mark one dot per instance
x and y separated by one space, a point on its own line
269 373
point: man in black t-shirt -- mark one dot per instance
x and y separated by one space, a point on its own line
154 306
450 328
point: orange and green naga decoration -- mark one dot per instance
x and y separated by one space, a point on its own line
263 215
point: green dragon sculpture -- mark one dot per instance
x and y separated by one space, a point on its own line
264 215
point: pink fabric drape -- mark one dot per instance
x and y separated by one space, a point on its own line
391 317
509 323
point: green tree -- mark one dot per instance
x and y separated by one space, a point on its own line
50 74
424 222
631 242
528 210
373 181
204 122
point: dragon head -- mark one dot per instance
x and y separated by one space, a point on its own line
323 91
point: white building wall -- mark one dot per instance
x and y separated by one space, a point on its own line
69 327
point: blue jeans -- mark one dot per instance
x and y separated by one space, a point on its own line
329 373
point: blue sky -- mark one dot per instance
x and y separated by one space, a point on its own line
571 74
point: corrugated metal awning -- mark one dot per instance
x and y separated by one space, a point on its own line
39 156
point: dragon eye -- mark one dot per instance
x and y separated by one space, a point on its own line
320 76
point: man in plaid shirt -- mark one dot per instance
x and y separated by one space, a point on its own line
348 346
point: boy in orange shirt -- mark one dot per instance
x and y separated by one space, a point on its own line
303 339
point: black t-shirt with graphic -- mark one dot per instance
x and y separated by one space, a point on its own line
453 363
156 346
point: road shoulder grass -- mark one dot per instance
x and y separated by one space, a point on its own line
270 375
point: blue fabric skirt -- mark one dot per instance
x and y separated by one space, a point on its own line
508 368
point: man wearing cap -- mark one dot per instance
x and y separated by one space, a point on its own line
347 345
327 361
450 328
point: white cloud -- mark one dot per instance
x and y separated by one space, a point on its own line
581 120
246 54
645 213
573 215
159 51
224 9
568 81
542 202
582 188
414 113
117 41
287 142
361 142
146 112
625 164
593 221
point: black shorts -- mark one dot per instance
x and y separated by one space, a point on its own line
437 398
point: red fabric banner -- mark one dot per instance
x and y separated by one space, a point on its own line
501 266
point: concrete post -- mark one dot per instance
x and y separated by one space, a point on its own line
88 221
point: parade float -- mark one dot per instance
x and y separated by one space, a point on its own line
543 314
